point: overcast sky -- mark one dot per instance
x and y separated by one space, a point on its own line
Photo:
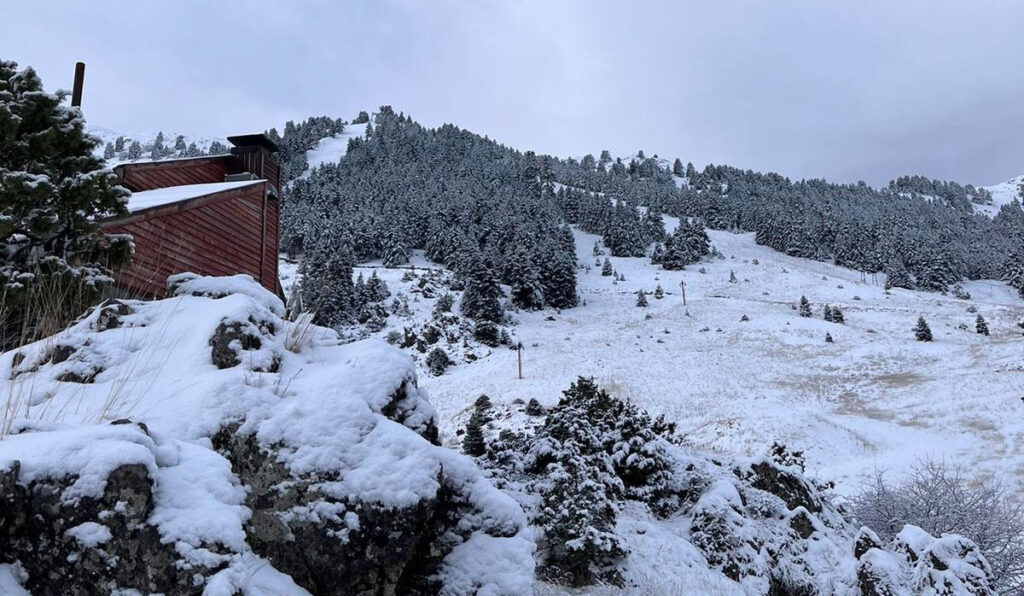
815 88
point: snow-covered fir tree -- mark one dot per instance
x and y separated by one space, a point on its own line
641 299
981 326
54 260
805 307
922 332
327 289
481 300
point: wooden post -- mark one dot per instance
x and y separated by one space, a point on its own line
520 351
682 286
76 92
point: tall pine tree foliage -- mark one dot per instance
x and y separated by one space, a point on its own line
54 260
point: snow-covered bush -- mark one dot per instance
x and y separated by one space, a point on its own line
943 498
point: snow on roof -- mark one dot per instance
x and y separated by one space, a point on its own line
148 199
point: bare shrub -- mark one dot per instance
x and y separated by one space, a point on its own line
943 498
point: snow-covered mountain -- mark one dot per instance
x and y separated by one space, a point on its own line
1002 194
223 446
740 370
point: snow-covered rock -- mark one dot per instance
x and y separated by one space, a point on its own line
179 445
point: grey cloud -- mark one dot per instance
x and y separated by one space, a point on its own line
842 90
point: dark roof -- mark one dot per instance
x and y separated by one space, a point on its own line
258 139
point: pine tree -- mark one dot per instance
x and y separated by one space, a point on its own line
652 226
376 290
828 314
361 118
828 337
119 144
980 325
659 293
179 145
359 290
732 277
158 151
134 151
897 276
687 244
558 272
677 168
523 275
576 511
533 408
473 442
1013 270
482 409
217 148
396 253
53 189
837 316
481 299
109 152
641 298
606 269
444 304
438 361
805 307
658 254
921 331
326 287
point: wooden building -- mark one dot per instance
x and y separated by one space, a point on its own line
212 215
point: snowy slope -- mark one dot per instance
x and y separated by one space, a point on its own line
875 397
1002 194
330 150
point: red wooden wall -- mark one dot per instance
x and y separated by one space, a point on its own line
226 233
138 177
141 176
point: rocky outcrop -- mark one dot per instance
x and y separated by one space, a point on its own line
72 543
217 441
339 544
772 530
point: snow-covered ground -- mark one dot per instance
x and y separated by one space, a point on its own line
875 398
1002 194
332 149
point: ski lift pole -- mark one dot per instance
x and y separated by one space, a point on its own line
519 350
682 286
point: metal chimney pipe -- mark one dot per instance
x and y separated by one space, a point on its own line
76 93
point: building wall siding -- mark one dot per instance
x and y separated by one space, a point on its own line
138 177
220 234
